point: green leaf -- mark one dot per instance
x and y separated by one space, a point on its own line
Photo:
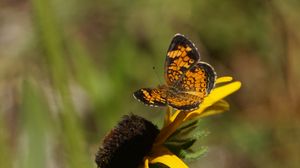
193 155
181 141
185 130
178 146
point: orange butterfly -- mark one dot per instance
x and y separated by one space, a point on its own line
188 80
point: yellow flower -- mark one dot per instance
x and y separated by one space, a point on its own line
212 104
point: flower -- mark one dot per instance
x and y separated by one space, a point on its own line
127 144
135 139
212 104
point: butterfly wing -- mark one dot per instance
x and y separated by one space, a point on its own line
183 101
199 79
196 83
182 54
151 97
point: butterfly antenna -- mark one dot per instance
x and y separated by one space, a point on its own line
159 80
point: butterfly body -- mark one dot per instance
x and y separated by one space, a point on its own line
188 80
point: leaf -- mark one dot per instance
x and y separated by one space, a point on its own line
193 155
184 130
175 148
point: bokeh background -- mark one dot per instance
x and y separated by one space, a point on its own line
68 70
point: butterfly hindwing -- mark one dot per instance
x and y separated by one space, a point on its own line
151 97
183 101
199 79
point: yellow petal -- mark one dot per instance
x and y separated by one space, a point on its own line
221 92
146 163
216 95
223 79
219 107
168 116
164 156
174 115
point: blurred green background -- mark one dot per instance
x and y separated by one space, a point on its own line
68 70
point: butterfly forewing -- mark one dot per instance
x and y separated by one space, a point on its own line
181 55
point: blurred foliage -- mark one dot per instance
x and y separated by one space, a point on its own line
68 70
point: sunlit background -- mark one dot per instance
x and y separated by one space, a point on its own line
68 70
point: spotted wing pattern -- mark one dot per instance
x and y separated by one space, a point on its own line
151 97
181 55
183 101
199 80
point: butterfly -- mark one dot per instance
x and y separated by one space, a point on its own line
188 80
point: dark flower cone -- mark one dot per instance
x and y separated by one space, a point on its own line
127 143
